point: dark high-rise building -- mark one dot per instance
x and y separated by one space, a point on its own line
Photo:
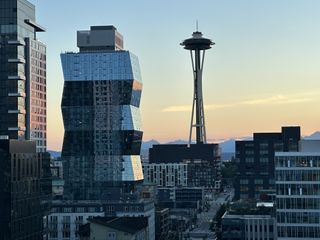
25 190
100 108
22 74
255 161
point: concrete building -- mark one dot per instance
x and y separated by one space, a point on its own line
255 161
67 216
248 224
22 74
100 108
25 190
298 192
166 174
124 228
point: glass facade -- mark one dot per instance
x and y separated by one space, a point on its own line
298 195
25 190
22 74
100 108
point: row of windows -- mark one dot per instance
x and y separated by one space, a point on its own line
298 175
298 161
299 232
298 203
298 189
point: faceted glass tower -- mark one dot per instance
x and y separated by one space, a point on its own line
100 108
22 74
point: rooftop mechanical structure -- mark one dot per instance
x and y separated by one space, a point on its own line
197 45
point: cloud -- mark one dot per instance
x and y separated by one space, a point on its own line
278 99
181 108
188 108
272 100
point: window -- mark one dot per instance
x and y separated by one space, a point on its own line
249 160
66 234
244 181
111 236
264 160
80 209
67 210
258 181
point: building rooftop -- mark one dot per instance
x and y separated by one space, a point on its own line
99 38
246 209
126 224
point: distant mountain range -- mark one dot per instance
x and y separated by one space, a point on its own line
227 146
54 154
313 136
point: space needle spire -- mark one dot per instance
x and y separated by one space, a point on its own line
197 45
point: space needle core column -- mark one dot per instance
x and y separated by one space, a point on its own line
197 46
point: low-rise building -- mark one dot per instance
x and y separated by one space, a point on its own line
248 223
67 216
124 228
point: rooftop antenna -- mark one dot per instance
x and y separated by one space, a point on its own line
197 25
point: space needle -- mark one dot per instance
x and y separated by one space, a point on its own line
197 45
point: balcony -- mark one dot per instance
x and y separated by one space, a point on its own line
16 42
18 111
16 129
16 60
16 94
17 77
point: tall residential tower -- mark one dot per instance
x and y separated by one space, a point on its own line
22 74
100 108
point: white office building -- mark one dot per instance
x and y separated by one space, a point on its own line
298 192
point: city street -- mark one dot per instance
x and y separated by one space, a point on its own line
204 218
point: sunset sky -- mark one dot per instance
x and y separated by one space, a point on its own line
263 72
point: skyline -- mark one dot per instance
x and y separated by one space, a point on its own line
274 42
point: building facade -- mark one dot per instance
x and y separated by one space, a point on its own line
67 216
25 190
162 225
255 161
124 228
298 192
166 174
100 108
180 197
202 160
22 74
248 226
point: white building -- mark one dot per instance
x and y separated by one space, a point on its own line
67 216
297 177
